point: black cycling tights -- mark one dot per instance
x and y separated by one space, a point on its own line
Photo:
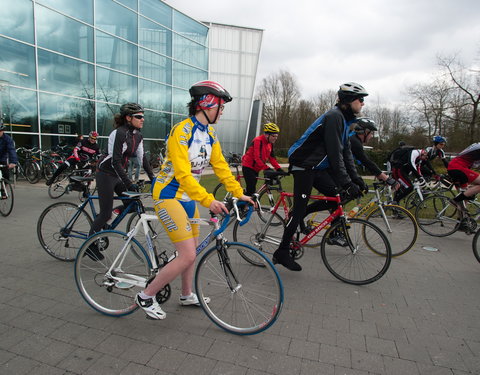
107 185
303 181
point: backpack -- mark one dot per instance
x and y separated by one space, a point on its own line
399 156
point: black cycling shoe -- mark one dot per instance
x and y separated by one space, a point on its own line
286 260
49 182
93 253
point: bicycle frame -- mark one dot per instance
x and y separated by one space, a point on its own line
89 201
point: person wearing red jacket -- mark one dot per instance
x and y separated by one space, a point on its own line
258 154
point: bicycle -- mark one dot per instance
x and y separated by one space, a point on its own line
74 180
63 226
6 194
438 216
27 166
442 186
268 192
396 222
353 250
244 299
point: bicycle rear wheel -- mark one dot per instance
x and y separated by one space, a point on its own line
6 198
437 217
107 287
244 299
60 235
347 251
32 172
256 233
398 225
59 187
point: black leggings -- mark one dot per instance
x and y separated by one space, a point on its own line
250 177
107 185
303 181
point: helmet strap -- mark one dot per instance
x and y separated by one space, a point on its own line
208 118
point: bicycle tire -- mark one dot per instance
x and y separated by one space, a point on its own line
437 217
402 229
255 300
48 169
6 204
58 241
251 234
32 172
100 289
220 193
476 245
58 187
356 263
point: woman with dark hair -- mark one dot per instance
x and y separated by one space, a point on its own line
191 146
124 141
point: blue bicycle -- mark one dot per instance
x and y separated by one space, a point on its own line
63 226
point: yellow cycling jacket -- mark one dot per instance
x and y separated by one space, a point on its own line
191 147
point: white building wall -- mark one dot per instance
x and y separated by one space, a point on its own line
234 55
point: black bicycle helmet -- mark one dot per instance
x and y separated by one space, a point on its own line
209 87
128 109
351 91
364 123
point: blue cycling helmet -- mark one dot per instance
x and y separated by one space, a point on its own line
439 139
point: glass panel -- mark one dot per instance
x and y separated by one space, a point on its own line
17 63
185 76
155 37
62 34
25 140
116 19
115 87
153 66
66 116
50 142
155 125
157 11
20 109
116 53
62 75
190 52
180 101
105 115
154 95
129 3
82 10
17 21
189 28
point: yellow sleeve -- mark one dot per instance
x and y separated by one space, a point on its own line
178 152
222 169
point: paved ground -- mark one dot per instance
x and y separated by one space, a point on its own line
421 318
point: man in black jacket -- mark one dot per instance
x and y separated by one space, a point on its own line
322 159
363 131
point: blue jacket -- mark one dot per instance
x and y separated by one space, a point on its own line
325 144
7 150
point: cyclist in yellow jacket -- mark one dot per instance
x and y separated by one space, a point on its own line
191 146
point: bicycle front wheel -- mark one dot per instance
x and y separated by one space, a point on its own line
437 217
6 198
350 251
398 224
59 187
32 172
109 285
244 299
59 233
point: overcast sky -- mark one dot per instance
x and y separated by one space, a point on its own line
383 45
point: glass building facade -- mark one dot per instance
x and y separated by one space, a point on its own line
66 67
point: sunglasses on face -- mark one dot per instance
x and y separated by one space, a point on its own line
139 117
361 100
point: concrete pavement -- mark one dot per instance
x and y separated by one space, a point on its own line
421 318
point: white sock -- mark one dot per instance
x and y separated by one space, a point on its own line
144 296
